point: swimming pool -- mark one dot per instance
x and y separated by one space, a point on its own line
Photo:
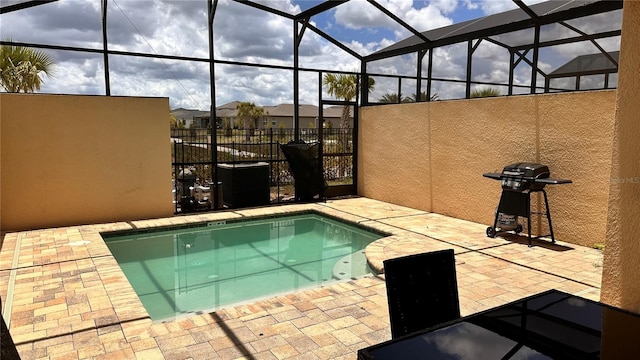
198 269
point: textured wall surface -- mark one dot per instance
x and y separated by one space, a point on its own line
394 155
431 156
621 268
69 160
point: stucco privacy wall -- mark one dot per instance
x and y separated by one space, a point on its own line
70 160
431 156
621 267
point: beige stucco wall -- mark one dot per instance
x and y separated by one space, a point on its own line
394 156
70 160
432 156
621 267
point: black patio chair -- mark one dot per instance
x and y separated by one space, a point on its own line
422 291
8 349
304 163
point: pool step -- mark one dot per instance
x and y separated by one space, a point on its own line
351 266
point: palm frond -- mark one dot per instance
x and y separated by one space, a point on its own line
21 68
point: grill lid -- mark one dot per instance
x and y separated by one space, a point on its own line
523 176
526 170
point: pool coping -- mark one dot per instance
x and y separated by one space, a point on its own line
205 224
108 234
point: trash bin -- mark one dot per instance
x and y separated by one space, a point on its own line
245 184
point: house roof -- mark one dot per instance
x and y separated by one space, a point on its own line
335 112
187 114
305 110
227 110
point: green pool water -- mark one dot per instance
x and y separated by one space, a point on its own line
179 272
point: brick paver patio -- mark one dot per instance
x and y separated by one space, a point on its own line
65 297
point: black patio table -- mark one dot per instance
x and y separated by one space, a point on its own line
549 325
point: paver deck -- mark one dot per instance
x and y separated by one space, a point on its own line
65 297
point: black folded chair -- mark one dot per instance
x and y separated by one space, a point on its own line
422 291
8 349
304 163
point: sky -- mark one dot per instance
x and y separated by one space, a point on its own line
244 34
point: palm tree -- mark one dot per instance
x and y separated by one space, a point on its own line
392 98
20 68
248 115
485 92
343 86
389 98
423 97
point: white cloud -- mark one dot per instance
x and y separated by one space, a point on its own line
283 5
469 4
427 18
490 7
445 6
242 32
358 14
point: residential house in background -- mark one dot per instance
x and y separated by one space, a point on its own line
281 115
187 116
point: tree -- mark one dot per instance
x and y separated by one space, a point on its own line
175 123
21 67
390 98
227 127
485 92
423 97
344 86
248 115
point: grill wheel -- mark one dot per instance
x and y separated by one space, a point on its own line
491 232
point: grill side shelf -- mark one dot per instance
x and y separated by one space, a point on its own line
548 181
495 176
553 181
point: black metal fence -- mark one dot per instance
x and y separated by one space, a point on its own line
192 149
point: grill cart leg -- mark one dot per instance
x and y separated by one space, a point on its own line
546 204
529 228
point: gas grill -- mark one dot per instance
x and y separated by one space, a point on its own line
518 181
